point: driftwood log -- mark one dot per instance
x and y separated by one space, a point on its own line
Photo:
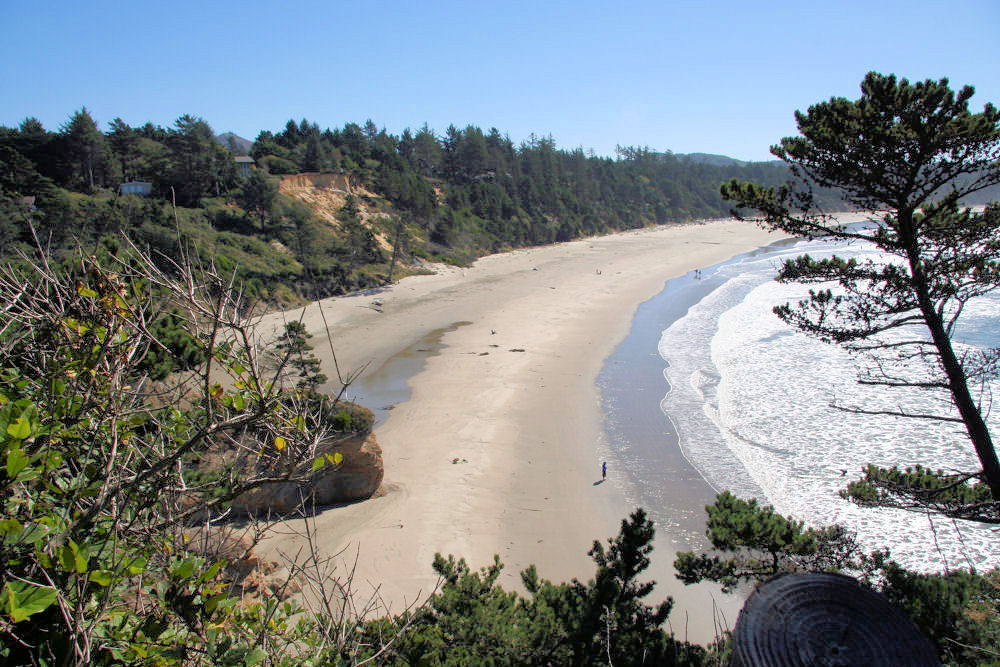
828 620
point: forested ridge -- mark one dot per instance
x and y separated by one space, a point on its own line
480 185
450 197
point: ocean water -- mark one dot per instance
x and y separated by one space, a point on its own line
747 400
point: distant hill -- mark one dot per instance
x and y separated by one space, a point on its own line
711 159
235 143
714 160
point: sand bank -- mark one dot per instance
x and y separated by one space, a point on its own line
510 394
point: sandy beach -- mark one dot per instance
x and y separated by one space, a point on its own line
510 394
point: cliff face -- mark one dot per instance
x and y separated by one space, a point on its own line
358 476
294 183
325 195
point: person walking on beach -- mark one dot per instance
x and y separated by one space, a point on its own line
604 470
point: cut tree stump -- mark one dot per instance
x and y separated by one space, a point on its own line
825 619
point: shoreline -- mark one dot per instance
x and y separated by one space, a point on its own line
512 394
633 384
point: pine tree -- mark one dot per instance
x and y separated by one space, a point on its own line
908 153
294 346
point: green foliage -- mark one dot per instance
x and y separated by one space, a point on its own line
920 151
86 151
958 610
909 152
358 245
347 417
758 543
257 193
514 195
314 244
472 620
608 617
297 352
464 194
200 166
277 165
176 350
99 474
919 488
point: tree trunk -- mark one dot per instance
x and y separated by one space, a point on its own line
395 251
975 425
958 384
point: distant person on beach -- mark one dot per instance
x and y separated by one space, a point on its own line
604 470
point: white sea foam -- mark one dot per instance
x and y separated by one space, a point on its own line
750 399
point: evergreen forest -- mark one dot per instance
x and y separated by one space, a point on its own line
450 197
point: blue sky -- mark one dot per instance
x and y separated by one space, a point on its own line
715 77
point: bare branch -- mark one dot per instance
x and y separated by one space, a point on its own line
894 413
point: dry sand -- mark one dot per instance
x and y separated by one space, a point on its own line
512 395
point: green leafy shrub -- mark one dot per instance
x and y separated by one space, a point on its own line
99 473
